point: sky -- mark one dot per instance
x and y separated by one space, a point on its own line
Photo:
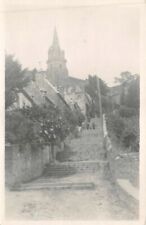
99 40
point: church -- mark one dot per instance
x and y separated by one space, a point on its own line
71 88
55 84
57 70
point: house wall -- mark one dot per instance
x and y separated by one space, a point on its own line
23 101
73 96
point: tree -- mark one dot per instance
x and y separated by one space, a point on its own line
125 122
15 78
53 125
130 96
125 78
92 89
133 94
37 126
20 129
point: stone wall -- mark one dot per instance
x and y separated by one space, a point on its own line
25 165
124 195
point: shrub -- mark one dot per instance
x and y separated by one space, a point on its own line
115 124
126 130
37 126
130 135
127 111
20 130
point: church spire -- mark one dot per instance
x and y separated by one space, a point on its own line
55 38
57 70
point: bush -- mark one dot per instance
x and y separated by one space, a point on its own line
37 126
125 130
20 130
115 124
130 135
127 111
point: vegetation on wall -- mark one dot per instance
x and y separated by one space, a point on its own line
123 122
37 124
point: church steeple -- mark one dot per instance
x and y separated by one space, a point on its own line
55 39
57 70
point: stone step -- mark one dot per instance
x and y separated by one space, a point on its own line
72 163
68 168
56 186
59 170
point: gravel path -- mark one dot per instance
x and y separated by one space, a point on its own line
99 204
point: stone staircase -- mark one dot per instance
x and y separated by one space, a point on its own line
72 182
83 164
70 175
58 186
86 148
59 170
98 167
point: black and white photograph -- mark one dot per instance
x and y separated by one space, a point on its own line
72 111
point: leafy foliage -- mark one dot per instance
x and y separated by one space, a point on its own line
130 135
115 124
125 130
125 78
36 125
124 122
127 112
130 96
20 129
14 79
53 126
92 89
133 96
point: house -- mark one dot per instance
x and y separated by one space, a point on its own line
40 91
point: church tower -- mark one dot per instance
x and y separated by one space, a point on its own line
56 64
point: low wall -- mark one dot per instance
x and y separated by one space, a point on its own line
28 164
25 165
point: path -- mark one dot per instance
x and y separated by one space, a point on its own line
95 198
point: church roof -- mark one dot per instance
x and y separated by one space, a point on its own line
49 83
73 81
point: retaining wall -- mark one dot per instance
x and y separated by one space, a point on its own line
124 196
25 165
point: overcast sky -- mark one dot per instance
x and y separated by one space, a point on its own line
96 40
